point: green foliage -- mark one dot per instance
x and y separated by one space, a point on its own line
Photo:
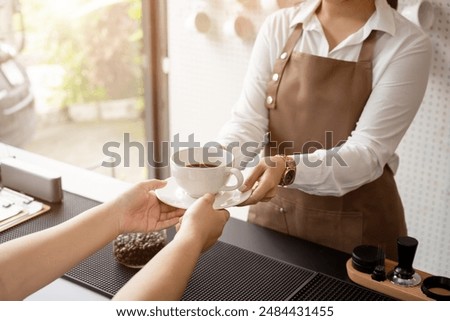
99 47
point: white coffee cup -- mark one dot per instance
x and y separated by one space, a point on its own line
241 27
200 22
201 170
273 5
421 13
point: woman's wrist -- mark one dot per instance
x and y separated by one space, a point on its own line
192 240
289 170
107 218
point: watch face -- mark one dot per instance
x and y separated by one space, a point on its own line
289 177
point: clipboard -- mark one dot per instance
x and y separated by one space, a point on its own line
16 208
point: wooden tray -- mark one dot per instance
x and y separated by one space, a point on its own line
387 287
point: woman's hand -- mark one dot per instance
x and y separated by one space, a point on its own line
166 275
139 210
201 223
264 180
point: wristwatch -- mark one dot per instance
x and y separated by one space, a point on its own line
290 171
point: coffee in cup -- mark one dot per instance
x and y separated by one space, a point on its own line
201 170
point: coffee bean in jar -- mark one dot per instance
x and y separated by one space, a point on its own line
136 249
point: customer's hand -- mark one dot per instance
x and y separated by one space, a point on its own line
264 180
201 223
139 210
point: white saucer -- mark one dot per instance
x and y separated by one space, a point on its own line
173 195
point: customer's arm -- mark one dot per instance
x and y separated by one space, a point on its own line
165 277
31 262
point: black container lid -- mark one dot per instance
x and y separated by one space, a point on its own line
366 257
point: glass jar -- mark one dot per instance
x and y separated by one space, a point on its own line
136 249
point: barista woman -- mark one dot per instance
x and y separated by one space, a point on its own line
336 84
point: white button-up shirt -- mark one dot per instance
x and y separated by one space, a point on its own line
401 64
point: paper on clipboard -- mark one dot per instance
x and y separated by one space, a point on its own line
8 212
16 208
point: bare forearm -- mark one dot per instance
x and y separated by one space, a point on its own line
29 263
165 277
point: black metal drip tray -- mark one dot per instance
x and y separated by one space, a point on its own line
229 273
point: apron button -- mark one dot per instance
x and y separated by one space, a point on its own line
269 100
282 210
283 55
275 77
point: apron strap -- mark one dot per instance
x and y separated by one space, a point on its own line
365 55
279 66
367 49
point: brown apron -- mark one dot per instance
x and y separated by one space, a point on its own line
315 102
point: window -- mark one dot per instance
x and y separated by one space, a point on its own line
84 62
